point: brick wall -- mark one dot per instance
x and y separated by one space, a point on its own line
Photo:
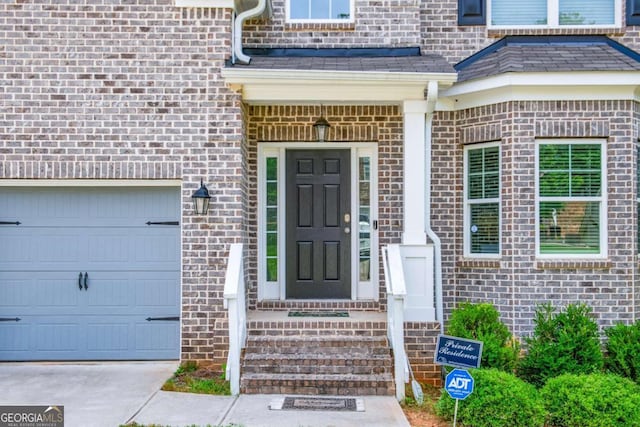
130 90
517 281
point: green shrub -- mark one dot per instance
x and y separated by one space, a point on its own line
499 399
481 322
623 351
594 400
566 342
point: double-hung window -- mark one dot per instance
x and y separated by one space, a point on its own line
571 206
320 10
482 200
555 13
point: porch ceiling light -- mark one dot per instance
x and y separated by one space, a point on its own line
321 127
201 199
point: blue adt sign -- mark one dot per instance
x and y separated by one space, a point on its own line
459 384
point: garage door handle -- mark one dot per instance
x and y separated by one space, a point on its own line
86 278
80 280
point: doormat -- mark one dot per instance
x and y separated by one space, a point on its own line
318 314
350 404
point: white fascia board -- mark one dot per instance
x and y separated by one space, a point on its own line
340 86
541 87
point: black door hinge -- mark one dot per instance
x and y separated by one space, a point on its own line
9 319
150 319
163 223
10 223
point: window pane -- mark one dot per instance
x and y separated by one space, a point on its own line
272 193
587 12
483 173
484 228
272 169
320 9
272 269
509 12
570 170
569 227
272 219
364 219
272 244
554 184
340 9
299 9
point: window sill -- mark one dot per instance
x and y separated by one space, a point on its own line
320 26
501 32
493 263
569 264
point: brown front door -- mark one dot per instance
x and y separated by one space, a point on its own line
318 217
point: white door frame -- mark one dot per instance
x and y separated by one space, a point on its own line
276 290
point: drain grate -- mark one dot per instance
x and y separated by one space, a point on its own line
318 404
318 314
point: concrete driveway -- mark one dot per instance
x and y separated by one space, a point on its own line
104 394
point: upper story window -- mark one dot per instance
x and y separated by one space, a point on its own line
320 10
482 200
571 206
554 13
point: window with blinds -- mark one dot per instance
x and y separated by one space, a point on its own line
555 13
482 200
570 198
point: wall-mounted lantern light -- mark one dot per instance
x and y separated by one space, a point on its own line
201 199
321 127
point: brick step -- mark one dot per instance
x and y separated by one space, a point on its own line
317 363
318 384
317 328
311 342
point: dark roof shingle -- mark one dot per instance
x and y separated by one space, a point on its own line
552 54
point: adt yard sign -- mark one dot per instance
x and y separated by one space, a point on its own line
459 384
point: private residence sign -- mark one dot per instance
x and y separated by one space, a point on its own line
458 352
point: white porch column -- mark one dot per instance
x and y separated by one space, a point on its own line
414 173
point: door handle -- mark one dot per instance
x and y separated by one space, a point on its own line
86 278
80 280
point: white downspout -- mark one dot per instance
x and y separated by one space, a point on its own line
238 54
432 97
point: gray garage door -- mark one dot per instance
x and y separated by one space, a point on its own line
84 277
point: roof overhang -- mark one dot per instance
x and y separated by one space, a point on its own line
272 86
238 6
542 86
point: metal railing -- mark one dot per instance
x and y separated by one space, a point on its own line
396 293
235 303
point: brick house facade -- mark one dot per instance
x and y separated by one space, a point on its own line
138 94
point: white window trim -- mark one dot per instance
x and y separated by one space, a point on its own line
290 20
604 221
467 203
368 290
553 18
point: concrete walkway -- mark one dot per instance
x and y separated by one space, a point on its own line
184 409
114 393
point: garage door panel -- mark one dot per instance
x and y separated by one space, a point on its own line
16 248
15 293
15 338
108 337
56 294
57 335
154 336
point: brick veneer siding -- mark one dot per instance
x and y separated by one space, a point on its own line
518 281
104 90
